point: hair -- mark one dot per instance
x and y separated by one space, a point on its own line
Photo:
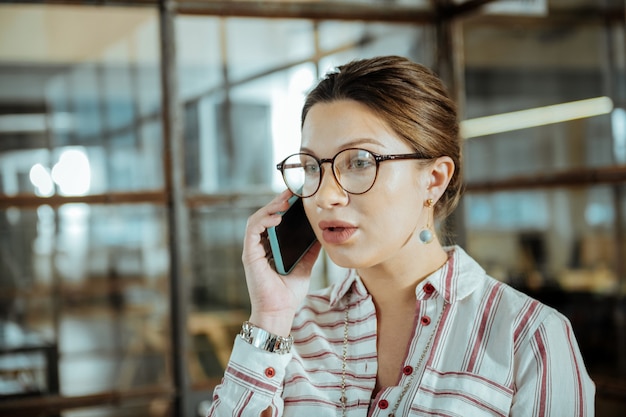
411 99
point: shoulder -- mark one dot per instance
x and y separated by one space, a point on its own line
505 304
532 322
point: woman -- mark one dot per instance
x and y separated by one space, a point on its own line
415 329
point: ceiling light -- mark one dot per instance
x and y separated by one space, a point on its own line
523 119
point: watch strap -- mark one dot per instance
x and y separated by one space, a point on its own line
265 340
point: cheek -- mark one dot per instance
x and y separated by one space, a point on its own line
399 203
401 188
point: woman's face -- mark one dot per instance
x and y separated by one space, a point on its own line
382 225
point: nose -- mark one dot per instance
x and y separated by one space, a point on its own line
330 193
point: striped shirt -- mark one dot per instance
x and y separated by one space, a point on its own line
488 350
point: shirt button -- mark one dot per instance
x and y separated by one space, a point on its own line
407 370
425 320
428 288
382 404
270 372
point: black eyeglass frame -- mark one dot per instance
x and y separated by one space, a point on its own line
377 157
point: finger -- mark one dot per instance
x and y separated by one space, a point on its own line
278 204
265 242
255 246
265 217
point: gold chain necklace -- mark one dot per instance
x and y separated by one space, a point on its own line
344 399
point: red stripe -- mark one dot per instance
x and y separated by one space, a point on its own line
314 337
325 298
318 310
448 279
482 379
368 356
309 400
250 380
522 325
485 319
296 378
543 388
572 348
243 406
431 412
459 394
314 318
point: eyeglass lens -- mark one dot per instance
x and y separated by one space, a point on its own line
354 170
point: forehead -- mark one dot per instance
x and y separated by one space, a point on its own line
339 124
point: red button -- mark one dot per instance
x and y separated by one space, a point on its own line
428 288
270 372
425 320
407 370
382 404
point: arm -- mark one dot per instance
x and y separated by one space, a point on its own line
252 383
253 379
551 379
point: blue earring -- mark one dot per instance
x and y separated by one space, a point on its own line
426 235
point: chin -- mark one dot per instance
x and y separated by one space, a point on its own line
346 260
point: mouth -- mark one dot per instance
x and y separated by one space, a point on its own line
336 232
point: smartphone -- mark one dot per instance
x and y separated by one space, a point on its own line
292 238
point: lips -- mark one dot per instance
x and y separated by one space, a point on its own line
336 232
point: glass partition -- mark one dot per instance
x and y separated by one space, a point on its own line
99 126
89 282
84 287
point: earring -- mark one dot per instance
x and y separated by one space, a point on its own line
426 235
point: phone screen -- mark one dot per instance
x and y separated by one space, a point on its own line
292 238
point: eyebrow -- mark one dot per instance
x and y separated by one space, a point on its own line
351 144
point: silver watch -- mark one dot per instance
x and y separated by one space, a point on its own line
265 340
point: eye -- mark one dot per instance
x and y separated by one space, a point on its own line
360 161
311 167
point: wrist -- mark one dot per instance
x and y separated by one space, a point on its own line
279 324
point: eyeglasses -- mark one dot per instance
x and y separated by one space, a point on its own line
355 170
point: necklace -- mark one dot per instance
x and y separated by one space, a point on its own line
344 399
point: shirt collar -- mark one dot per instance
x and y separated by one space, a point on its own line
455 280
351 281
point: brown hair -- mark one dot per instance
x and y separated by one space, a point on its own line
411 99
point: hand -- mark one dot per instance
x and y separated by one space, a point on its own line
274 298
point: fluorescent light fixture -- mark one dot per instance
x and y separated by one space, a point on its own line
518 7
523 119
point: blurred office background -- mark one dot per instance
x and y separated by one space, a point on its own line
137 136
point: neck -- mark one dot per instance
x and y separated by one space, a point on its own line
395 282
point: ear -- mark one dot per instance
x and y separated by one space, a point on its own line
439 175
